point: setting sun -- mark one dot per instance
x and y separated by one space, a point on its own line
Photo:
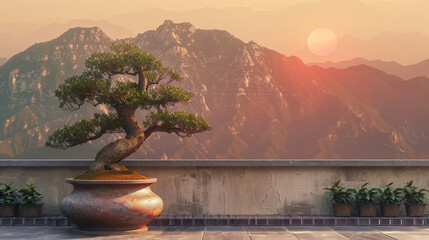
322 41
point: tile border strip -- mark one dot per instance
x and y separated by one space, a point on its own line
238 220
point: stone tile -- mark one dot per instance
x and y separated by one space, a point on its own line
191 230
404 233
269 233
273 236
360 233
223 228
226 235
365 236
180 233
313 233
262 229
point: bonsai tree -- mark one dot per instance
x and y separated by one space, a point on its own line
151 91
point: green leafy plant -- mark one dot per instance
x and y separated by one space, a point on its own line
339 194
364 195
390 195
7 194
413 195
30 195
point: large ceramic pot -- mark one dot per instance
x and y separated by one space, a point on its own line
111 205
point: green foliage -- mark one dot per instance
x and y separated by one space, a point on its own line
390 195
95 86
364 195
177 122
127 58
29 195
339 194
84 131
77 90
7 194
413 195
161 97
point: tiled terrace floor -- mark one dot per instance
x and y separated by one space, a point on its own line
226 232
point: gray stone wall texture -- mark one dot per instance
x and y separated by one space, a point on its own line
247 190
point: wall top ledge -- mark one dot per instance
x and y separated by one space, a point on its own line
224 163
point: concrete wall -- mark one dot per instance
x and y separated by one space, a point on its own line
225 190
229 190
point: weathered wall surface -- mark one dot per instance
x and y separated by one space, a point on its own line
229 190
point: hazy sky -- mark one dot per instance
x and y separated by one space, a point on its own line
363 26
40 10
27 10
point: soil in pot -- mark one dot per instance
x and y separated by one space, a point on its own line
31 210
390 210
125 174
415 210
9 210
367 210
342 210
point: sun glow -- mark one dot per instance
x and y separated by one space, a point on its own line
322 42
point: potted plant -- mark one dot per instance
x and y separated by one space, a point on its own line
108 196
8 201
341 199
414 205
31 205
390 200
366 200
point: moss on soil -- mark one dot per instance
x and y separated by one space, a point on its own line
125 174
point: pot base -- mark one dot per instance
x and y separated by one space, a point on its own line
108 233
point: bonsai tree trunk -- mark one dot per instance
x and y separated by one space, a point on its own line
111 154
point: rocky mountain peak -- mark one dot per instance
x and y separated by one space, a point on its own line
84 35
169 33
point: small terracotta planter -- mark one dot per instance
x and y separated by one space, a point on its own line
342 210
390 210
367 210
415 210
31 210
9 210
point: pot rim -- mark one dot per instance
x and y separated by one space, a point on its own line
415 204
367 204
87 181
342 204
391 204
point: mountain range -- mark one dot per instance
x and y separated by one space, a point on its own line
385 30
405 72
260 103
15 38
2 60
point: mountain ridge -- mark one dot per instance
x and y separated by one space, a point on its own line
260 103
392 67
